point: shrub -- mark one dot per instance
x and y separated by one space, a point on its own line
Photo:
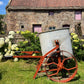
2 24
78 46
31 42
7 48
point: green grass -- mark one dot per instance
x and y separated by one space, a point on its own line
22 73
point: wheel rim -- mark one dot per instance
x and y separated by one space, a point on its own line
61 68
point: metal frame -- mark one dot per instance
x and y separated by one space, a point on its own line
41 57
41 61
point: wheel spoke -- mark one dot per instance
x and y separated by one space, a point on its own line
51 63
55 73
69 68
58 66
52 70
66 59
59 60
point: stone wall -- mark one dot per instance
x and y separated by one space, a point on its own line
15 19
82 22
18 38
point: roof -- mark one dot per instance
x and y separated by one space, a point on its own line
45 4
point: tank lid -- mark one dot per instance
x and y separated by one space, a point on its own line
54 30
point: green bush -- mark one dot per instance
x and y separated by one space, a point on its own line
2 31
78 46
31 42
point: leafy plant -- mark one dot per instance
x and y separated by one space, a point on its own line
78 46
7 48
31 42
1 25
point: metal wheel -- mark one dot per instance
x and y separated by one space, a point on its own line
61 66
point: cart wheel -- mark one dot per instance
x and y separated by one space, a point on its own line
61 67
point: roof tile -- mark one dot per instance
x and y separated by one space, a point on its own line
47 3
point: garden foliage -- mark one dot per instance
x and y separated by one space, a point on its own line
31 42
1 24
7 48
78 46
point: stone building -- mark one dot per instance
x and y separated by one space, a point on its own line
44 15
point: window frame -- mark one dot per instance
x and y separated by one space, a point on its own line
36 25
52 28
75 15
51 13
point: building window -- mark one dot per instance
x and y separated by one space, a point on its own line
22 26
66 26
52 28
78 15
37 28
51 13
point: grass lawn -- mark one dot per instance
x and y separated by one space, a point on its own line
22 73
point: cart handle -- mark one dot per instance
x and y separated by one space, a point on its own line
28 52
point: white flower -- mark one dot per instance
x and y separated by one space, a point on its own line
12 53
82 40
1 42
5 50
7 54
75 36
12 33
18 32
9 45
16 48
34 54
10 36
1 38
1 56
7 40
9 51
15 59
13 47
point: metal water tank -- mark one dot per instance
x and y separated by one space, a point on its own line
47 40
